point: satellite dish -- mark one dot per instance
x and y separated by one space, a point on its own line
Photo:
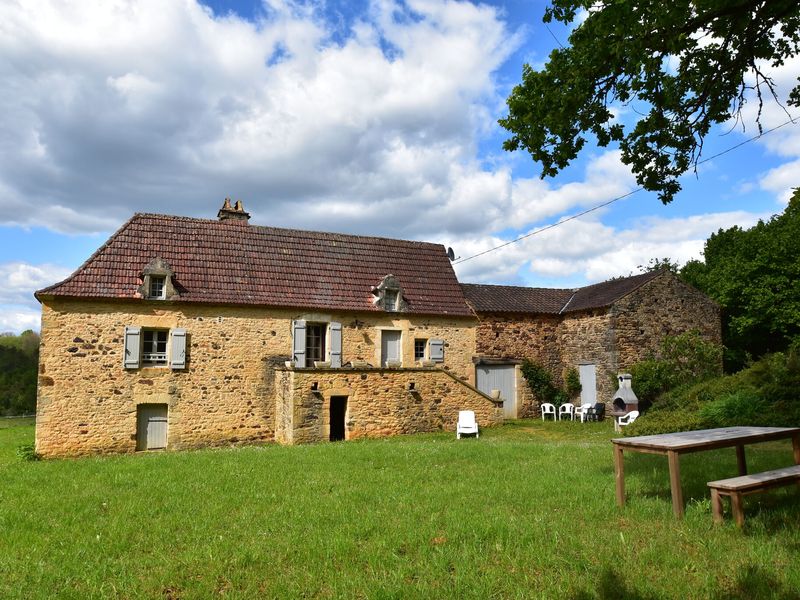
450 254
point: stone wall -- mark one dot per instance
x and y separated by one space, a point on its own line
588 338
612 339
87 401
515 337
663 306
379 402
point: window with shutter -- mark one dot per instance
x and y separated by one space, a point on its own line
131 352
336 344
177 350
436 349
299 343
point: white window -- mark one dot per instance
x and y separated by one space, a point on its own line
420 348
157 287
154 346
390 300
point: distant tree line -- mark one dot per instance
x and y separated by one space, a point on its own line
19 364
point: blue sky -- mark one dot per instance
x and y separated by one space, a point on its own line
369 117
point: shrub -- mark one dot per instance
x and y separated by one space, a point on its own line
541 383
27 452
766 394
744 407
572 382
683 360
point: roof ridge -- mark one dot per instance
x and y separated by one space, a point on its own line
287 229
518 287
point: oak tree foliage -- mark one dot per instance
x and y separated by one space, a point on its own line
682 65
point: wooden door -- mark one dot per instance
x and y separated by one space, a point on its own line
503 378
390 346
588 377
151 429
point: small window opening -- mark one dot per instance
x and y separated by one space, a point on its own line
154 347
420 347
390 300
315 342
157 286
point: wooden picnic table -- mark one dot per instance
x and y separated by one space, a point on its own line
674 444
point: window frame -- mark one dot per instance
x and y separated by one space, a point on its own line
322 345
146 352
424 342
160 280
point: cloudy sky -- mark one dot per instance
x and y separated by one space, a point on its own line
370 117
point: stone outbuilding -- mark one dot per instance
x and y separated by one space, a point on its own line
600 330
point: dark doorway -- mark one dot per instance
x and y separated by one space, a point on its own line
338 411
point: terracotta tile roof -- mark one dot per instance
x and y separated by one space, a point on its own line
512 299
232 262
606 293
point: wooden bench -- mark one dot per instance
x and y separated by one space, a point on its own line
736 487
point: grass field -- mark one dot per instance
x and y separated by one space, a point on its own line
526 511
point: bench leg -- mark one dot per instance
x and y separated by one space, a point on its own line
716 506
736 507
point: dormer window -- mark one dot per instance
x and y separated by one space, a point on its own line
388 295
390 300
157 287
156 281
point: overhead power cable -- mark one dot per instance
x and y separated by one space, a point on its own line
617 199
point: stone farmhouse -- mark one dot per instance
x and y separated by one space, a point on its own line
182 332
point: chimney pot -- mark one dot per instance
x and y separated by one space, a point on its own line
236 213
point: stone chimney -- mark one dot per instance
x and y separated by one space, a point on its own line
233 213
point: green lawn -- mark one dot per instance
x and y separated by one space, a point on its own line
526 511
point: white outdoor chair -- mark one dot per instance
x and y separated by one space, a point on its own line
466 424
568 410
625 420
583 411
548 409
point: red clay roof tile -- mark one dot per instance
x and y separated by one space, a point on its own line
234 262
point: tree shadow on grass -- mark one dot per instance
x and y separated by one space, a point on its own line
754 583
610 585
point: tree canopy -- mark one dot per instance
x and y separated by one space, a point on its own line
755 276
683 65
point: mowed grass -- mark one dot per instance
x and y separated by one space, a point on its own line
526 511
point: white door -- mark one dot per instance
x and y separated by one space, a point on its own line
151 427
588 377
390 347
499 377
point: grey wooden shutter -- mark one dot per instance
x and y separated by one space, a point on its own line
177 349
436 350
132 352
336 345
299 343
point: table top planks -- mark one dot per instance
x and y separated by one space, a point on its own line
705 439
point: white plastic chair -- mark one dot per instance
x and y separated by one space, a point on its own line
583 411
625 420
466 424
568 410
548 409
